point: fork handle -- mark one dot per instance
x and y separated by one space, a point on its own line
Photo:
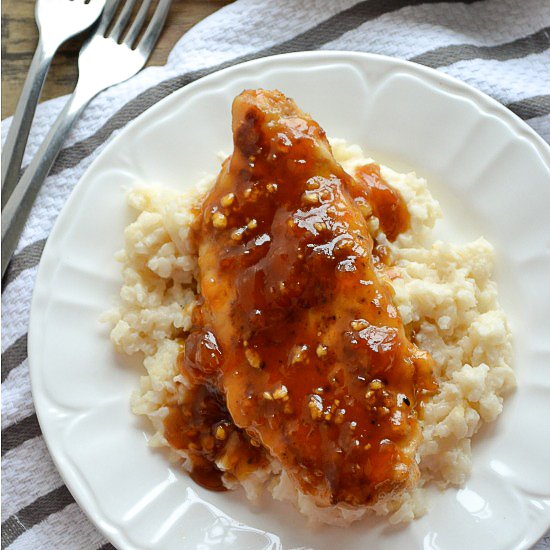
16 140
17 208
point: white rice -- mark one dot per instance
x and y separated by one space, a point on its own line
444 290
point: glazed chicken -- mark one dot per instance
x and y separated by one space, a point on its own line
296 338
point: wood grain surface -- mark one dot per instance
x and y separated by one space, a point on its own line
19 38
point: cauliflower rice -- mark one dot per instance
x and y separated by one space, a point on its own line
443 291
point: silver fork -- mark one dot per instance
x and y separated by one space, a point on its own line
104 61
57 21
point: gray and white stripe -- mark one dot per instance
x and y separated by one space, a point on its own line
500 46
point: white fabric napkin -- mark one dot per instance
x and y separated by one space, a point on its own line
498 46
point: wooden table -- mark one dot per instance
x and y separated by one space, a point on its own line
19 37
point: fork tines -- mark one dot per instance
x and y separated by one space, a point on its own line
116 18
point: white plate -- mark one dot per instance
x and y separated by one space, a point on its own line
491 174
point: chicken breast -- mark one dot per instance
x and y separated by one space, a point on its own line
296 332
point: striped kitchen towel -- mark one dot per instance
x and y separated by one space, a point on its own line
501 47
